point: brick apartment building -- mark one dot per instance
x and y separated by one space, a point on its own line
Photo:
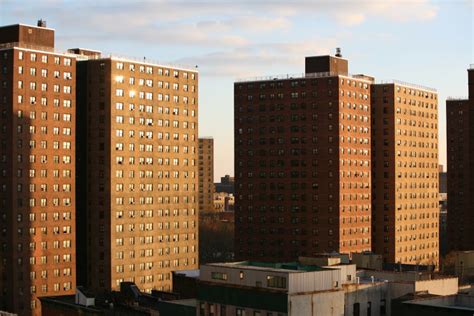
302 163
460 147
37 166
137 132
206 174
405 184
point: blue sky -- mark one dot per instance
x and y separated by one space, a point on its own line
420 41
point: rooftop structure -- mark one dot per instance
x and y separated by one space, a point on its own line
306 288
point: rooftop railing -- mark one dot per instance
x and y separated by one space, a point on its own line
145 61
297 76
33 47
457 98
407 84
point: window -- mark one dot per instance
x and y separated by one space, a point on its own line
356 309
276 281
219 276
383 308
240 312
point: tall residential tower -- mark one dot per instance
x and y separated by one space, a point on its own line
460 137
206 174
302 163
138 128
37 166
405 173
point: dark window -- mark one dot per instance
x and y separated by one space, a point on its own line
356 309
383 308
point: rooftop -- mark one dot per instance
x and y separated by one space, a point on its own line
457 302
186 302
284 266
69 300
458 98
145 61
333 74
300 76
188 273
407 84
27 25
34 47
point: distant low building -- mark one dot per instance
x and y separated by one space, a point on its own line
227 185
216 237
223 202
367 260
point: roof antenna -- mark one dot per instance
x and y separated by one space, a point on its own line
41 23
338 52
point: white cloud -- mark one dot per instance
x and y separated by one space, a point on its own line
257 59
210 22
227 34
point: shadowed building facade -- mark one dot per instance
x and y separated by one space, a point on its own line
460 137
302 163
37 169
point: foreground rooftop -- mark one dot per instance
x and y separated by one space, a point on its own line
279 266
455 302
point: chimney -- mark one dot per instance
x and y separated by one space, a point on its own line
41 23
338 52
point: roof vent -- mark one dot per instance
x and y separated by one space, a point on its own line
41 23
338 52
